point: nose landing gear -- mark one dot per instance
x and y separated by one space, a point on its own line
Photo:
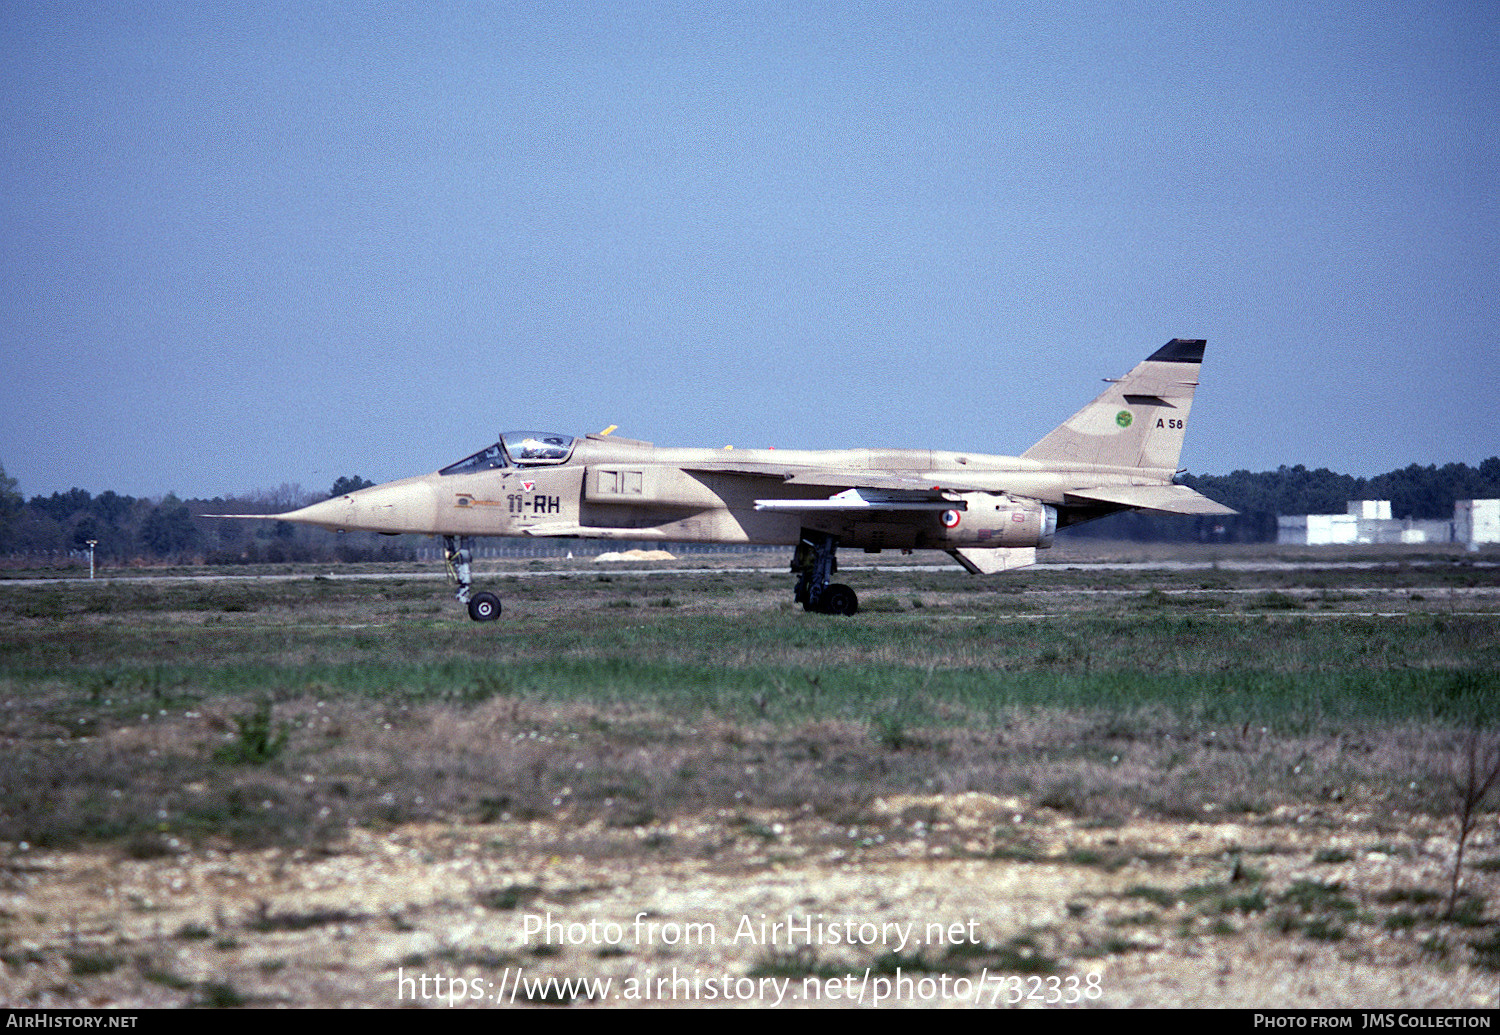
457 552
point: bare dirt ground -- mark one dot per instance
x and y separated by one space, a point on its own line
957 900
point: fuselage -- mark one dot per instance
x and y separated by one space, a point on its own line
613 488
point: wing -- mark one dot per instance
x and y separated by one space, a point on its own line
861 492
977 560
840 478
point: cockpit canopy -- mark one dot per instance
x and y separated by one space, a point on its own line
521 448
526 448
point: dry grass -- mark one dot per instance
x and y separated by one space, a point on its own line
185 777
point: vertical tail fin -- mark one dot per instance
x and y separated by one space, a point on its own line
1138 421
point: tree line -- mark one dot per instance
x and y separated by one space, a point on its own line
130 529
1424 493
127 529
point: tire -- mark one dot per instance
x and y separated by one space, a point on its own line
839 599
484 607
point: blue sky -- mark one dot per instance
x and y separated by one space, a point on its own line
244 245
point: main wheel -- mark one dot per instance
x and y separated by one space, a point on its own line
839 599
484 607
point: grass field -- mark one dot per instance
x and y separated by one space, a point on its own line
1161 690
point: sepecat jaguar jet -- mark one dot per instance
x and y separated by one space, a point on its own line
991 513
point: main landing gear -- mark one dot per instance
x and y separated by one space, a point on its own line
457 551
812 562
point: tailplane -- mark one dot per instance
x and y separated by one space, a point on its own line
1138 421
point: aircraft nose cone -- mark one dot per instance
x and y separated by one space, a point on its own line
405 506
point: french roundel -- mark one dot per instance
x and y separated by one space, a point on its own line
950 518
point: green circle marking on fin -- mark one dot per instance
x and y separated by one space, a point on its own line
1123 418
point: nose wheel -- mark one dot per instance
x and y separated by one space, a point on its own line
484 607
457 552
